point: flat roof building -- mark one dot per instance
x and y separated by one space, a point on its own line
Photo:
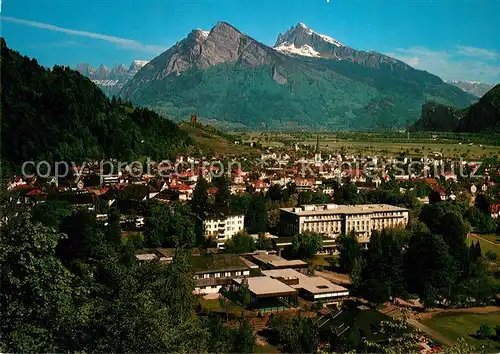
332 219
212 271
267 294
310 288
273 261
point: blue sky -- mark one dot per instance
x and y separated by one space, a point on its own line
455 39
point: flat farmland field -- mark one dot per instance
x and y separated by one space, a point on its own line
447 144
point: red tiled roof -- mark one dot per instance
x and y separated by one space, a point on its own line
430 181
184 187
34 192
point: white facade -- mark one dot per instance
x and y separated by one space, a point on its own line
332 219
223 227
211 283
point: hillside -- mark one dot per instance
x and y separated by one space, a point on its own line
482 116
438 118
59 115
214 142
228 77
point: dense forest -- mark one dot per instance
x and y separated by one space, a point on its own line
59 115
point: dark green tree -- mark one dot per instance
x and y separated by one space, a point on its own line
430 270
240 243
295 334
263 243
52 213
114 229
275 193
86 237
223 195
306 244
256 217
350 251
38 311
199 201
347 194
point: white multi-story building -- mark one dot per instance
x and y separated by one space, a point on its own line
332 219
223 226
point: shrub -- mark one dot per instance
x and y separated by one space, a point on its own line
491 256
484 331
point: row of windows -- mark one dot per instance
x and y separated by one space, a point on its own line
321 228
220 275
229 221
324 217
208 287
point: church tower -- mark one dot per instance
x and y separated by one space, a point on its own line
317 152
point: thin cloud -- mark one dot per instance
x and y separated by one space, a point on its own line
478 52
459 63
121 42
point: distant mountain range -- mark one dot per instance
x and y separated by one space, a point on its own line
475 88
306 81
112 80
482 116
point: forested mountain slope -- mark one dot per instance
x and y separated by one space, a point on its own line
59 114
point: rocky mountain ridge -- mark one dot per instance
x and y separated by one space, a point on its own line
226 76
475 88
109 80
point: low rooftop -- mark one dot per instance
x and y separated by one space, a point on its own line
217 263
267 286
277 261
314 285
315 209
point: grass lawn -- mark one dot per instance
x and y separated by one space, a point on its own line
214 305
321 260
487 246
456 325
492 237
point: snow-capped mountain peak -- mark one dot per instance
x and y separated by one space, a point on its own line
137 65
203 32
475 88
305 50
300 36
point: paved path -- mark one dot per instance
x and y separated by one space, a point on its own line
485 240
431 333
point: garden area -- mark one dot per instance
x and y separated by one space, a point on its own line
467 325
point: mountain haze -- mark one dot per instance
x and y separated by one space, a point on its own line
475 88
112 80
306 81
